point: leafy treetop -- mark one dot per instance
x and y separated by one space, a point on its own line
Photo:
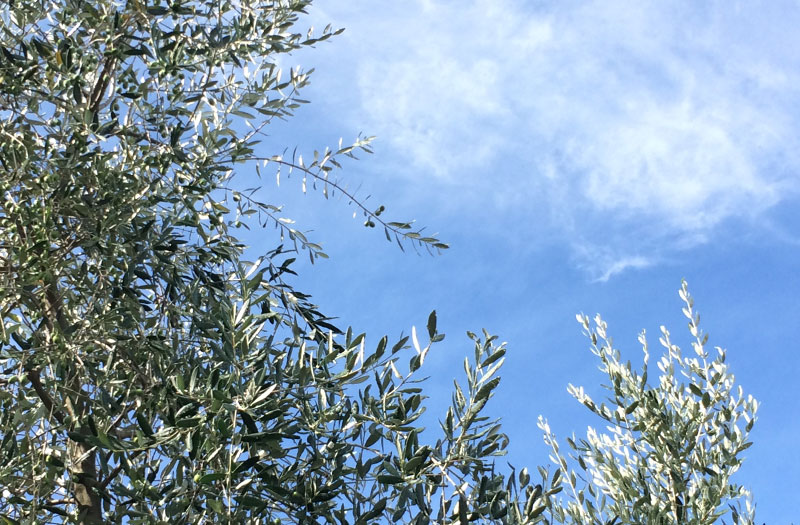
152 375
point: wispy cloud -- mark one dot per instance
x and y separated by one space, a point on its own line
601 264
633 126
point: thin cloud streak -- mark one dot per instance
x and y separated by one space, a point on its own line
607 265
646 124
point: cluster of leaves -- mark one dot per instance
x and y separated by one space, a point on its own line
672 447
151 375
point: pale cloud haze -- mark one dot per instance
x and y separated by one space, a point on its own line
607 117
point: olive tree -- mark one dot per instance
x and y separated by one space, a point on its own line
672 446
151 374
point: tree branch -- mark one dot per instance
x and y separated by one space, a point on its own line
34 376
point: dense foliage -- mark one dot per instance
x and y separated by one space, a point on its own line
149 373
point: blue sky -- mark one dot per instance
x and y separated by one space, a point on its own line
578 157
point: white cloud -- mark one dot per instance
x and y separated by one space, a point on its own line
631 124
601 264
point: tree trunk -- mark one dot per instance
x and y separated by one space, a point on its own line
83 457
84 479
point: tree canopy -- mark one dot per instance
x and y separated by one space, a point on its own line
673 445
151 374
